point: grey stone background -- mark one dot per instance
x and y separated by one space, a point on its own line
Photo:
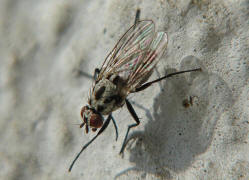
48 52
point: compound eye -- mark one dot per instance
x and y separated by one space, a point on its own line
96 121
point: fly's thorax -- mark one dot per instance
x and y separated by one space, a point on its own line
107 95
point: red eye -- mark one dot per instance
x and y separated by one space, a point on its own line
96 121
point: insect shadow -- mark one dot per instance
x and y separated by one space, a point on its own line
175 135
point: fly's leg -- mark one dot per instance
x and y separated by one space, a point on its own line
146 85
137 17
115 126
135 117
96 73
87 144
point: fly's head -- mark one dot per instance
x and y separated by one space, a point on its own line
91 118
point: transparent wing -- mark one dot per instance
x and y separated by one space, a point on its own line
136 54
143 70
129 49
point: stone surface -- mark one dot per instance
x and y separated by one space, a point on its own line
49 50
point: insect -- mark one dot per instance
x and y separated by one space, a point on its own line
125 70
188 102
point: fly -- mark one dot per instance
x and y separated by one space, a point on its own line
125 70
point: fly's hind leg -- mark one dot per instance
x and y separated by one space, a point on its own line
148 84
137 17
135 117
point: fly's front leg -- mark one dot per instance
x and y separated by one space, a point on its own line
87 144
135 117
148 84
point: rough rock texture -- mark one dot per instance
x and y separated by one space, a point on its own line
48 52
